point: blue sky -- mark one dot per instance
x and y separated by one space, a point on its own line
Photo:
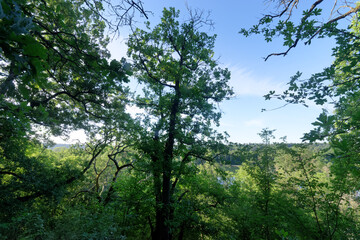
252 77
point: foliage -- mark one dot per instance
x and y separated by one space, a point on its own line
55 70
165 174
330 193
297 199
284 22
182 85
55 76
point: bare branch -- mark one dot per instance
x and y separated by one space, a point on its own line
298 32
288 8
123 11
182 195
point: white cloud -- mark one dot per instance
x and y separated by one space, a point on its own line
246 83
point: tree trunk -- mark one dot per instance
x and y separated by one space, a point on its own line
156 169
163 213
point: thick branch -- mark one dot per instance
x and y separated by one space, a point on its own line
151 75
111 189
182 165
95 154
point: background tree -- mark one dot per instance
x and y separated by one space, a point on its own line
257 211
182 85
296 198
337 85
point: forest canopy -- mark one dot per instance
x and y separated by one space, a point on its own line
167 172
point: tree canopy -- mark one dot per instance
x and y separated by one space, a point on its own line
182 85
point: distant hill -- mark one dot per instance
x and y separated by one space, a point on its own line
64 145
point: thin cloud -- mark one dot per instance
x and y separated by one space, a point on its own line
246 83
